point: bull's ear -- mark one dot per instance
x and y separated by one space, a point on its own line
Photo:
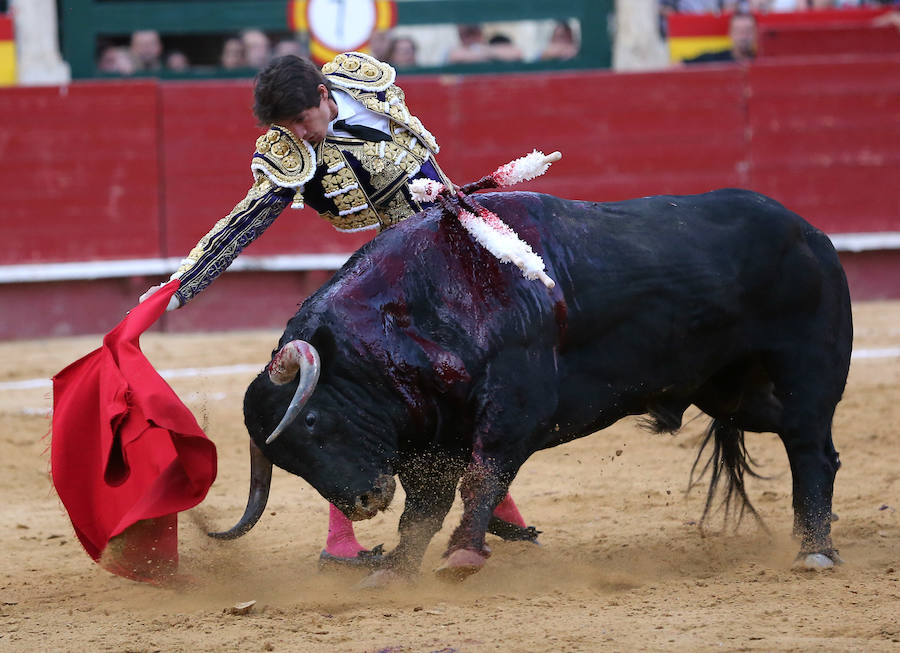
324 342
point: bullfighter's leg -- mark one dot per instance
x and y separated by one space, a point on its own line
341 547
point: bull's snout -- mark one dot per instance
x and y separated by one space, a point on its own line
378 498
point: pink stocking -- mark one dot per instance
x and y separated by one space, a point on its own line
508 512
341 539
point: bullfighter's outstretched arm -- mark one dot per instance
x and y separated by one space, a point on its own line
229 236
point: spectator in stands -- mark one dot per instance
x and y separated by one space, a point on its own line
115 60
402 52
232 57
356 176
472 46
289 46
743 33
146 50
501 48
379 44
178 62
257 48
816 5
752 6
562 43
667 7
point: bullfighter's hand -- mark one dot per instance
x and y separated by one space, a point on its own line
173 300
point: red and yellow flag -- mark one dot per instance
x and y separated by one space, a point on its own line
7 51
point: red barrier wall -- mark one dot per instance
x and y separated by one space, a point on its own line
122 170
79 172
825 140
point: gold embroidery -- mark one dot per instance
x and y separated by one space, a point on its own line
338 180
331 155
280 148
282 158
396 209
291 162
359 71
365 219
257 191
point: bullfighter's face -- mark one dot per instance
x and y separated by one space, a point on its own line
311 125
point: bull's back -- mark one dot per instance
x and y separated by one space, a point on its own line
727 251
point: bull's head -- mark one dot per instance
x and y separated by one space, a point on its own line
325 447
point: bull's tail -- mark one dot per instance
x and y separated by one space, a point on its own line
728 463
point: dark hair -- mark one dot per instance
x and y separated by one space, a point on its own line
287 87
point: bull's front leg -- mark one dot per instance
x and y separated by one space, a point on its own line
430 489
482 488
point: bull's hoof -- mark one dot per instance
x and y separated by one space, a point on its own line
381 579
512 532
362 560
459 565
817 561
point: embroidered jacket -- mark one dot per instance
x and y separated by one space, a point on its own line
353 183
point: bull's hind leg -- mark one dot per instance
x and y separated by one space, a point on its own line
809 392
814 463
799 406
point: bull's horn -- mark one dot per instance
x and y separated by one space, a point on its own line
295 355
260 481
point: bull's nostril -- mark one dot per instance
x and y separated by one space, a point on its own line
364 500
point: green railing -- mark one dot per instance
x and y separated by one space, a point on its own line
83 22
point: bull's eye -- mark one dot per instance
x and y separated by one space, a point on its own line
310 419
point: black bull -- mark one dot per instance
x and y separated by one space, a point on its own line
441 364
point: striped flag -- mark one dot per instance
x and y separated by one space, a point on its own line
7 51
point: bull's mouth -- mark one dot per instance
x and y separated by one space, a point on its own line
368 504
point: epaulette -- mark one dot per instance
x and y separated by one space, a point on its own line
285 160
371 82
359 71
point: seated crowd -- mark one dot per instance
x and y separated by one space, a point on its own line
147 52
252 49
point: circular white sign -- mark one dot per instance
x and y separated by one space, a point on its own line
341 25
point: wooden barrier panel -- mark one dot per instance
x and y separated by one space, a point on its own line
621 135
825 140
79 172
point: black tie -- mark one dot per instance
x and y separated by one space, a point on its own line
361 131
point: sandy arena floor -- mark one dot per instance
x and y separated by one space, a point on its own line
622 566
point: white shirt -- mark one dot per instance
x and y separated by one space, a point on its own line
354 113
